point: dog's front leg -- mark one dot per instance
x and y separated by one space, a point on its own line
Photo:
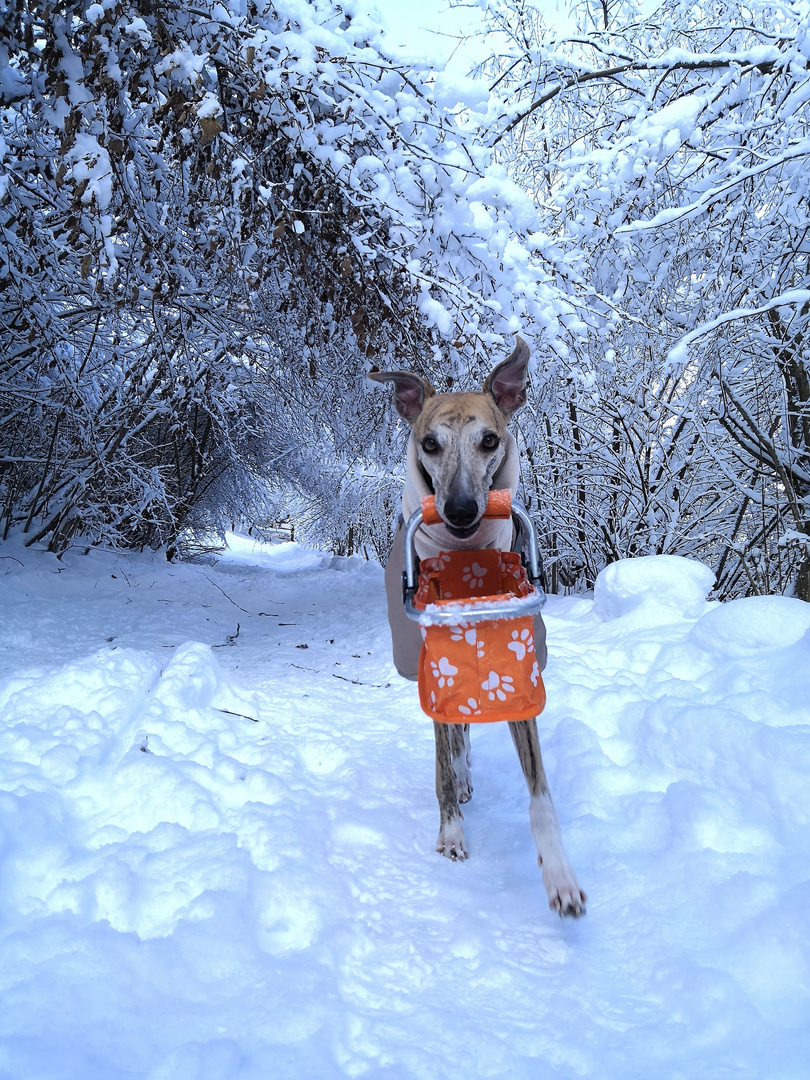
460 756
564 893
451 831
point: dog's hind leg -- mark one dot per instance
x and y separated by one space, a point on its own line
564 893
451 831
460 754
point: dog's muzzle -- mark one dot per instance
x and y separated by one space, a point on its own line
461 515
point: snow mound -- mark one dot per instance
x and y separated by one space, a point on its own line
282 558
669 582
191 678
745 626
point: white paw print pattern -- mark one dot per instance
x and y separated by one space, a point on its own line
522 642
470 709
443 672
474 575
498 686
535 673
458 633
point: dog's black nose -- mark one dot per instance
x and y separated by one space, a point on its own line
460 511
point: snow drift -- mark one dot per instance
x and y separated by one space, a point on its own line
218 819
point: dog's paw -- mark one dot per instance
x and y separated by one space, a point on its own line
564 893
451 841
464 788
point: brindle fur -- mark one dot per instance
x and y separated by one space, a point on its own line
460 472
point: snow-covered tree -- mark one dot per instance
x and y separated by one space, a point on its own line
669 152
213 218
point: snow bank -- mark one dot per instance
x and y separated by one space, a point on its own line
746 626
658 584
217 823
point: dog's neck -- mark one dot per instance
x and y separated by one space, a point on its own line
431 539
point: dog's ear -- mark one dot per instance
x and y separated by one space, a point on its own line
410 391
507 381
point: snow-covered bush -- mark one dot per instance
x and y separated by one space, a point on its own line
213 218
668 150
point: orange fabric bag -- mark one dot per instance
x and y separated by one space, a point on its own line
477 672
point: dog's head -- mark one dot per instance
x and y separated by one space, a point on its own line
460 438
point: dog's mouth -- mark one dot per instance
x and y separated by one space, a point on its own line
463 533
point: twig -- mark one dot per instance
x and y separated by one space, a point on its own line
267 613
229 640
358 682
244 716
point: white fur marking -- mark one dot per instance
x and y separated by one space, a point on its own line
559 879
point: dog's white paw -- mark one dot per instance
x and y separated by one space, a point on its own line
451 841
564 893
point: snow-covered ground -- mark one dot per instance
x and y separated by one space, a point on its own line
216 847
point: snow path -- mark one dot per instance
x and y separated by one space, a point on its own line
186 893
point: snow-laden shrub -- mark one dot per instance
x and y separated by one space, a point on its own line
668 150
213 220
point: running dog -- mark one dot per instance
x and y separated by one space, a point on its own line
459 450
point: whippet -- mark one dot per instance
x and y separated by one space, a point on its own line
459 450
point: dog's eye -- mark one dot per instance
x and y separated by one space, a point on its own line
429 444
490 441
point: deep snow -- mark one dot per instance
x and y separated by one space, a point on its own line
216 849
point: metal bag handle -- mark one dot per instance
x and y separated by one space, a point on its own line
499 505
